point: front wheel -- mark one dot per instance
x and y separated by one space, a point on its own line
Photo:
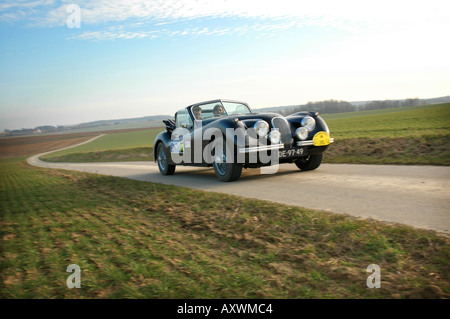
226 172
163 162
310 162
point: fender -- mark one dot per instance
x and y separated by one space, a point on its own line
165 139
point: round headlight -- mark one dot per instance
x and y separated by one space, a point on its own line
262 128
275 137
309 123
301 133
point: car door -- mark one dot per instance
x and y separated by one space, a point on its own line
202 132
180 144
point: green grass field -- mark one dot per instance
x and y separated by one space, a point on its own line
414 135
129 146
136 239
417 121
114 141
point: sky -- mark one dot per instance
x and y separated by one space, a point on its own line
68 62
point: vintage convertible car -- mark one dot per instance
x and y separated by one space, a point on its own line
227 135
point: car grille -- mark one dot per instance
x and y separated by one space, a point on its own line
282 124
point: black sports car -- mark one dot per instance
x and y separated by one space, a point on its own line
227 135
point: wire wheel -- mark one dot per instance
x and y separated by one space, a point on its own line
226 172
163 162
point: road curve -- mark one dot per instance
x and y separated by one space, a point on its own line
418 196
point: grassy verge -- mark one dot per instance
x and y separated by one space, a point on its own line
423 150
141 240
128 154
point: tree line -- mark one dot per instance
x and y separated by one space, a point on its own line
338 106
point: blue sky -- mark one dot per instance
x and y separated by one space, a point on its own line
136 58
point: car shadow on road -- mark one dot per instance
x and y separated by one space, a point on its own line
205 177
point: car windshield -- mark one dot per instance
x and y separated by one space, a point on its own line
218 109
235 108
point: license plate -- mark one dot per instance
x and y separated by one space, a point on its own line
292 152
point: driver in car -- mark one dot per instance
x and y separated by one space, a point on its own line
197 110
218 110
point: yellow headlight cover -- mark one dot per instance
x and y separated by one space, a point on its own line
321 139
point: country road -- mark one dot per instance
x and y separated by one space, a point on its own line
418 196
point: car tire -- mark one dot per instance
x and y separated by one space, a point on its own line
227 172
310 162
163 161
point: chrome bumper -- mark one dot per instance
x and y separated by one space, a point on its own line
274 147
308 143
260 148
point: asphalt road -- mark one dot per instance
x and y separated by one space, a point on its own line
418 196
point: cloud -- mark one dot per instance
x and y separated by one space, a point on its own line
8 5
159 18
101 11
179 29
14 11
